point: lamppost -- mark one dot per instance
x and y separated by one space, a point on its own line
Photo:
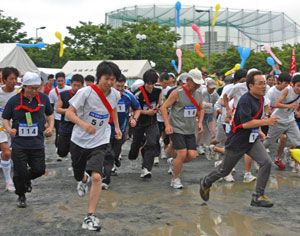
36 31
141 37
208 11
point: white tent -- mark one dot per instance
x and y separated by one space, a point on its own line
132 69
15 56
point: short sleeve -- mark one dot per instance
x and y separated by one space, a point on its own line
51 96
8 109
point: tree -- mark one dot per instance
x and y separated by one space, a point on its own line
9 30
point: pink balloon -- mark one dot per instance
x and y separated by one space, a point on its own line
269 50
195 28
179 55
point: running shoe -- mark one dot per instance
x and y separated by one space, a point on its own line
91 223
145 173
82 187
248 177
229 178
10 187
118 163
204 191
200 150
22 202
171 166
105 186
28 187
114 171
164 154
280 165
261 201
156 161
176 183
207 152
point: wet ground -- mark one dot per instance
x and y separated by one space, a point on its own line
133 206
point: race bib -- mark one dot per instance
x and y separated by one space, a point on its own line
97 120
121 106
28 131
227 128
253 136
190 111
145 107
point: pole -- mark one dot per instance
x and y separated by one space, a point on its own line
209 39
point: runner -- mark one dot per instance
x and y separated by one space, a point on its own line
185 103
126 102
53 96
149 98
9 77
66 127
27 111
90 110
89 79
243 138
49 85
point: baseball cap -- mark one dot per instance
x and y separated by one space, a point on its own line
183 76
30 78
251 70
196 76
211 83
172 74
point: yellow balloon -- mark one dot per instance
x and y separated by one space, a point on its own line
235 68
216 13
61 51
295 153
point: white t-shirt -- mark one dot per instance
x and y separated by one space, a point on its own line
272 95
4 97
163 99
53 99
237 91
91 109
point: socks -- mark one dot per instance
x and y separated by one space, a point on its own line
6 167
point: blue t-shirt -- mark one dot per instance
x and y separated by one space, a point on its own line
28 137
248 107
127 100
65 126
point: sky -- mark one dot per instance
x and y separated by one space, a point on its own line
56 15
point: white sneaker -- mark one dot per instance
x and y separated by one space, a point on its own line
105 186
10 187
256 166
217 163
146 173
156 161
208 153
91 223
164 154
248 177
82 188
229 178
171 167
200 150
176 183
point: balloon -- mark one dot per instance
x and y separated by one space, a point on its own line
174 64
271 62
61 51
269 50
179 55
195 28
216 13
197 47
178 7
240 50
36 45
235 68
295 153
244 55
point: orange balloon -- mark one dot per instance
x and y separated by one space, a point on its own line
197 47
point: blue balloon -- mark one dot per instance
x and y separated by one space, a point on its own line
178 7
240 50
245 54
174 64
36 45
271 62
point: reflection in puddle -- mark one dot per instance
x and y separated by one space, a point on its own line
61 172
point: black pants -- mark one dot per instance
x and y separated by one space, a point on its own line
35 159
151 147
162 127
56 126
63 144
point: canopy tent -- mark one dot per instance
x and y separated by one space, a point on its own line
132 69
15 56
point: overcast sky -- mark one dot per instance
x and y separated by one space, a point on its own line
56 15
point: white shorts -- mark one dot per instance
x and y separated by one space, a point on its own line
4 137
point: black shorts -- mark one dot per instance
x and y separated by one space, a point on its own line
183 141
63 144
89 160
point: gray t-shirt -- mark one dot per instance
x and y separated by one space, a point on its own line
209 99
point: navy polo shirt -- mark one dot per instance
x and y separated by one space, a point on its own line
65 126
248 107
25 137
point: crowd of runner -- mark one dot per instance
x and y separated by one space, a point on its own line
247 115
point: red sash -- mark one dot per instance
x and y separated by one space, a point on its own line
241 125
27 108
191 98
145 97
104 100
70 92
56 90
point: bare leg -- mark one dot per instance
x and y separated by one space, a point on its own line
248 162
95 192
178 162
281 145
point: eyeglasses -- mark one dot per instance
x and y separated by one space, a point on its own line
260 84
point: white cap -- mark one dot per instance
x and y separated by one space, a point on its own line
30 78
211 83
183 76
251 70
19 80
196 76
137 84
